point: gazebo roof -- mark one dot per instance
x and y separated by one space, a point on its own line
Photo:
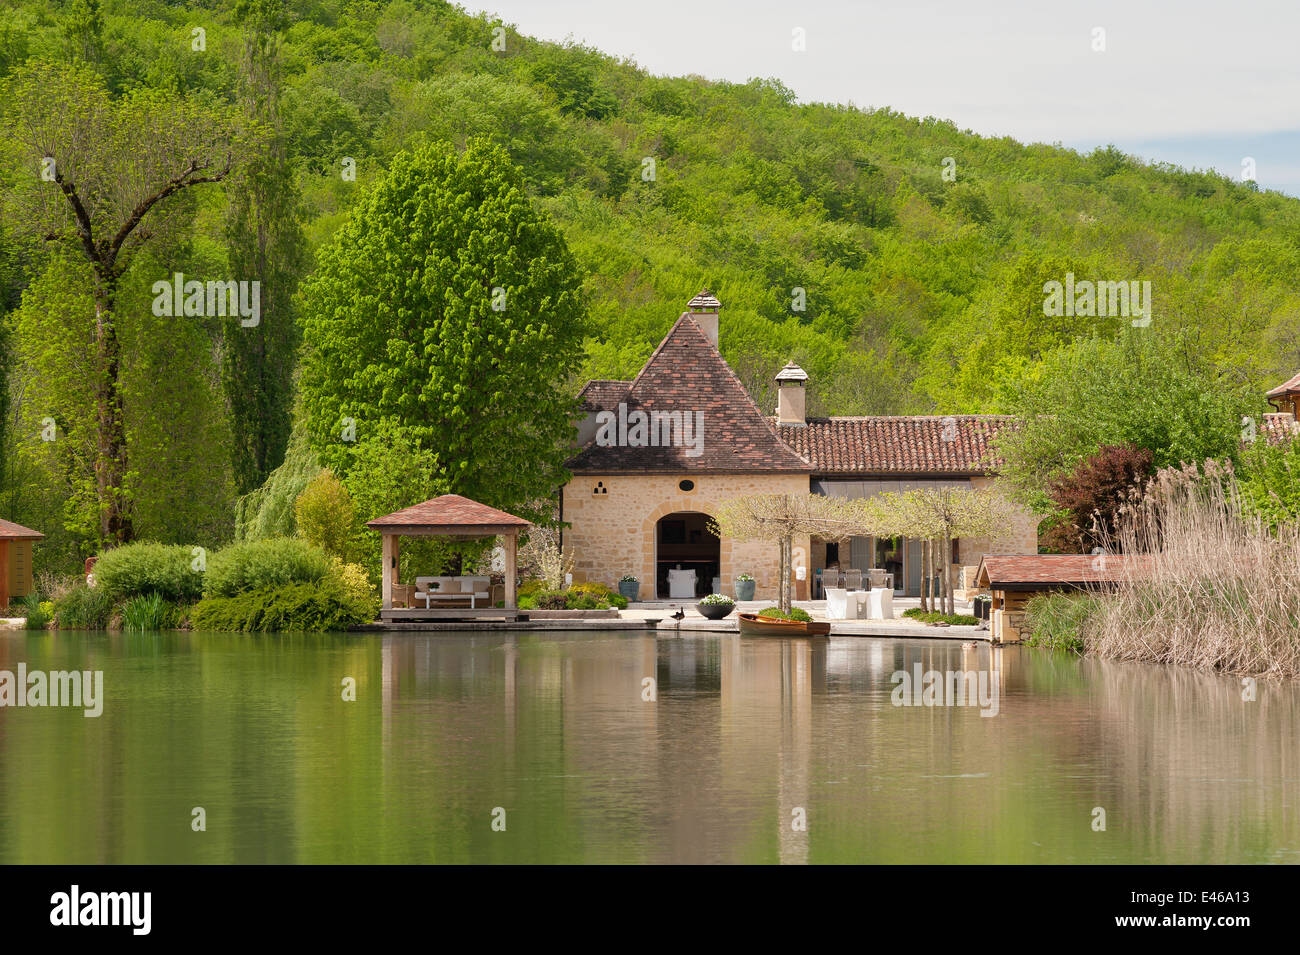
450 514
10 531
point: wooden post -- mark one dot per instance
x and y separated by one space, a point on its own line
4 574
510 543
388 562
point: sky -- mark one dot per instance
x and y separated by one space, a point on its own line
1197 83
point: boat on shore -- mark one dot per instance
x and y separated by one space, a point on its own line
752 625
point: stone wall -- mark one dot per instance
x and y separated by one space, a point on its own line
613 520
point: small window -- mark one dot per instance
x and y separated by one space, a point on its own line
686 485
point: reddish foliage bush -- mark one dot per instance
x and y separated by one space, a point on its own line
1094 493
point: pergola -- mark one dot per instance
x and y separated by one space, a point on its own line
447 516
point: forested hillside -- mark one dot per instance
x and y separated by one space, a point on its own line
901 261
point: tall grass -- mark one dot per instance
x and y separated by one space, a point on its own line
1214 587
149 612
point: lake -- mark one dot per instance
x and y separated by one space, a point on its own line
544 747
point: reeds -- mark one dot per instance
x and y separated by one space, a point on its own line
1206 584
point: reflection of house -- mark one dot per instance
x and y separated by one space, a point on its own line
658 453
15 560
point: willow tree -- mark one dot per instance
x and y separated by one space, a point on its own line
102 177
780 518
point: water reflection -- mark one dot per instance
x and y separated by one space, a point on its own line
635 748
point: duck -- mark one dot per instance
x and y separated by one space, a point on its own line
678 614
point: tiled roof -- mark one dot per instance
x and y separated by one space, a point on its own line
952 444
449 510
1291 384
1278 427
602 393
791 372
705 299
1033 571
16 532
686 374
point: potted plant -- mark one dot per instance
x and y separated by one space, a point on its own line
716 606
629 586
745 587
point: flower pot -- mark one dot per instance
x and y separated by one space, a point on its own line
745 589
715 611
629 589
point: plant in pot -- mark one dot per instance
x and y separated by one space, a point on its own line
629 586
716 606
745 587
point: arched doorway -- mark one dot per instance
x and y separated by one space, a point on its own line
683 541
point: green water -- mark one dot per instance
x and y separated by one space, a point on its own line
746 737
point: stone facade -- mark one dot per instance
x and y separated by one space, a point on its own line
613 532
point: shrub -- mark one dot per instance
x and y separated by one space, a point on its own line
326 516
83 608
578 597
356 585
149 612
37 612
259 565
320 607
601 594
1056 621
796 613
134 570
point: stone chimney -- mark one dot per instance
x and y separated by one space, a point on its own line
704 309
790 382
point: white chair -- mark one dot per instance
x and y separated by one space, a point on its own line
681 584
840 605
880 603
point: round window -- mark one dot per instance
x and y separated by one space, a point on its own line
687 485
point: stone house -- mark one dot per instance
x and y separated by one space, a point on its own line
656 455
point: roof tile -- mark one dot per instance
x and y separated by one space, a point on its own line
952 444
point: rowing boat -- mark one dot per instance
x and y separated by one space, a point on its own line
751 624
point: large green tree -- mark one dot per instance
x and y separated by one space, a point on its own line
447 306
106 178
1144 389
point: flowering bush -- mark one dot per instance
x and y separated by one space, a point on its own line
713 599
744 577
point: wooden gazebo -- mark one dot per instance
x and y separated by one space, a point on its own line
15 560
447 516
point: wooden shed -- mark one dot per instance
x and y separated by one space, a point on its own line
15 560
1013 579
